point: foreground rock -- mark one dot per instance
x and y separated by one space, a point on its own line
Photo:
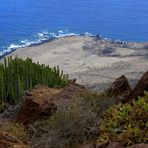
141 86
8 140
43 101
115 145
119 89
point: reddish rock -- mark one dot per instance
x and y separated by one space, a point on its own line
119 89
101 145
86 146
140 87
142 145
8 140
43 101
36 103
115 145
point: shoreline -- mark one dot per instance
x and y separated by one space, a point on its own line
46 39
58 36
90 60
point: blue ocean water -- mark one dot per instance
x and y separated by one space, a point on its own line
25 22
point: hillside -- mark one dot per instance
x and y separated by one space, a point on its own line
102 104
93 62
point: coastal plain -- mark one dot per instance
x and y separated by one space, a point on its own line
94 62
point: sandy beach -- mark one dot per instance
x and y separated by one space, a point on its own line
93 62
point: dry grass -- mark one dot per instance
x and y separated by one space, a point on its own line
14 129
73 124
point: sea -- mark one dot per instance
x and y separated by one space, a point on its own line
30 22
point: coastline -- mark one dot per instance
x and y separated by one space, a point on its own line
94 62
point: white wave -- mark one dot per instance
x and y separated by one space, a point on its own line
14 46
40 35
88 34
1 53
60 31
23 41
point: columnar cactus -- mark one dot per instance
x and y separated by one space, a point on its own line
17 76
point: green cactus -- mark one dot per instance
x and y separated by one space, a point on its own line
17 76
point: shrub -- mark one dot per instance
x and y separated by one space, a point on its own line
73 124
3 107
17 76
127 123
15 129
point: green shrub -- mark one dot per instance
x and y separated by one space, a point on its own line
17 76
127 123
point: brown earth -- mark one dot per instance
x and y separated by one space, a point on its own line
8 140
43 101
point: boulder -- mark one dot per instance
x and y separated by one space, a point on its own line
8 140
115 145
36 103
86 146
140 87
102 145
119 89
42 101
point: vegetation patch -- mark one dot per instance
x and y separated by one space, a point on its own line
3 107
17 76
126 123
15 129
73 124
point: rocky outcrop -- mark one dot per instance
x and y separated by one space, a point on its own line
8 140
43 101
119 89
141 86
101 145
115 145
36 103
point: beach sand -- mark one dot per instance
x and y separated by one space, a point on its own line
93 62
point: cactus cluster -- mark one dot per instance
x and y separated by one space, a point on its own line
17 76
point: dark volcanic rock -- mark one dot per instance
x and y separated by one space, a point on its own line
119 89
140 87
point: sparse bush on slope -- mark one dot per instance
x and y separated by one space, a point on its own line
73 124
126 123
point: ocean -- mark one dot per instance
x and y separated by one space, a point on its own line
28 22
